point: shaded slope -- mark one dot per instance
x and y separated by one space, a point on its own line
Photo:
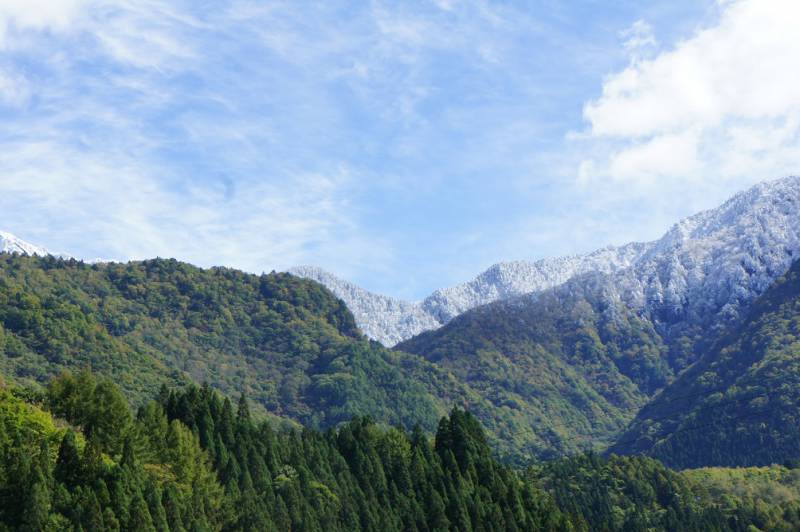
739 404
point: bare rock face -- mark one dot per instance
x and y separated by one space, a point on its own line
713 263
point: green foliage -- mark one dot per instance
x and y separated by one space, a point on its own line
287 341
191 461
203 466
768 497
361 477
627 494
95 405
739 405
98 485
561 372
561 375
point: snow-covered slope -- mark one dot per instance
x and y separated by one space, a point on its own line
390 321
382 318
714 262
11 244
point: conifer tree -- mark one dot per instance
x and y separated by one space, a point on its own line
68 465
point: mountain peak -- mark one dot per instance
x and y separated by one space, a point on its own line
728 254
13 244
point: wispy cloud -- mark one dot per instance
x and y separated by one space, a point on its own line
403 144
131 148
40 15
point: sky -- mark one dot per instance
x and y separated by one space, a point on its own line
405 146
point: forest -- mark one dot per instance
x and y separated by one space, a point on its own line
159 396
77 457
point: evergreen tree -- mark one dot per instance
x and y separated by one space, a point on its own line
68 465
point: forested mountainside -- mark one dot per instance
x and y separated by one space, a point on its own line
580 359
574 368
296 350
189 460
738 405
546 375
709 267
289 343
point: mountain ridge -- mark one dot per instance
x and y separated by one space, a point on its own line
662 270
12 244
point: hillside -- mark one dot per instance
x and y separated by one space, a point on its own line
289 344
738 405
295 351
552 372
573 365
580 359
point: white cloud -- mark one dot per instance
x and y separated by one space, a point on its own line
83 169
718 94
663 156
113 205
146 33
38 15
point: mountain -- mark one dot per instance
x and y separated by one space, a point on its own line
580 359
390 321
549 372
287 342
712 262
567 370
739 405
381 318
12 244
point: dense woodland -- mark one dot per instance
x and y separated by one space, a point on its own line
288 342
564 369
740 404
77 458
540 391
104 424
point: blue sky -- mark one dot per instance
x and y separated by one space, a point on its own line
403 145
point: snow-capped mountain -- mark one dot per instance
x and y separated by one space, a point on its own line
382 318
714 262
12 244
391 321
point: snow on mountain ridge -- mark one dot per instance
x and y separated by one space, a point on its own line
379 317
713 262
720 260
390 321
12 244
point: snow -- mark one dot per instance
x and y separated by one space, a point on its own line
11 244
713 263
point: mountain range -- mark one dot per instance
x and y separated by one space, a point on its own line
728 254
712 262
551 356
